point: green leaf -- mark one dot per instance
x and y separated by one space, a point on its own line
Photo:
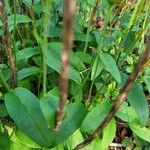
142 132
130 41
95 117
4 142
3 111
20 138
53 61
137 100
111 66
49 106
26 72
19 19
24 109
96 68
27 53
126 113
147 81
109 134
73 119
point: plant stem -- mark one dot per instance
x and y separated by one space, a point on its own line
7 44
69 11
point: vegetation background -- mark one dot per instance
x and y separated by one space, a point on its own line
109 36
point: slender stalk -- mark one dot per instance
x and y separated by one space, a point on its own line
44 44
7 45
121 97
69 9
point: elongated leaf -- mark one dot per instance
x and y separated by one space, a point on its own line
26 72
95 117
20 138
96 68
27 53
53 61
126 113
19 19
142 132
25 110
109 134
74 117
111 66
138 101
49 106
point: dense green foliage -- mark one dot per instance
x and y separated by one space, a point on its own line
101 60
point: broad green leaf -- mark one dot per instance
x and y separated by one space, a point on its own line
96 68
20 138
49 106
126 113
3 111
24 109
26 53
73 119
7 144
19 19
109 134
142 132
95 117
26 72
137 100
53 92
53 61
110 66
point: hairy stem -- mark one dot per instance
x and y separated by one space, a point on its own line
7 45
67 45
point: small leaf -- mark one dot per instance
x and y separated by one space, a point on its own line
95 117
25 110
126 113
26 72
142 132
97 67
109 134
19 19
26 53
111 66
130 41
